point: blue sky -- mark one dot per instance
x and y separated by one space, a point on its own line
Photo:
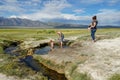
72 11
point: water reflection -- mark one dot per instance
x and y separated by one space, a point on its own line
42 51
12 50
45 50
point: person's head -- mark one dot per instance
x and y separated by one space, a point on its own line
59 32
51 40
94 17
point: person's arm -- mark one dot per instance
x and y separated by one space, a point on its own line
59 33
89 27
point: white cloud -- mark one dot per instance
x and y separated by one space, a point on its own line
91 1
13 6
74 17
108 17
55 5
78 11
10 6
113 2
51 10
13 16
70 17
36 0
11 1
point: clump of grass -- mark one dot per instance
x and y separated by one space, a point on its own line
14 68
11 66
45 31
1 50
115 77
72 68
50 64
80 76
76 44
72 74
39 38
6 42
84 38
70 42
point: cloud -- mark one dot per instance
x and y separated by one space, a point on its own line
10 6
19 6
60 9
108 2
109 17
91 1
53 10
78 11
13 16
11 1
74 17
50 10
55 5
113 2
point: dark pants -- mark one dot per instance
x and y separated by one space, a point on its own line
93 33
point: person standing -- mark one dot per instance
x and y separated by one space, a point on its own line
61 38
93 27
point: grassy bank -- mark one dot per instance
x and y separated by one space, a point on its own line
38 34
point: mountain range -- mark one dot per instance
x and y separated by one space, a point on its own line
20 23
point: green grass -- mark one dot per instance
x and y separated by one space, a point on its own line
22 34
115 77
102 34
11 67
80 76
1 50
48 63
38 34
73 74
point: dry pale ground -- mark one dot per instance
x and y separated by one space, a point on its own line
106 60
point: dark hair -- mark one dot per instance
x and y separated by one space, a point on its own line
94 17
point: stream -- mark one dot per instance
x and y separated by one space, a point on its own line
34 64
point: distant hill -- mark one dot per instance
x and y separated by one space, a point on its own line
20 23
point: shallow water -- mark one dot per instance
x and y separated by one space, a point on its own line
34 64
45 50
42 51
12 51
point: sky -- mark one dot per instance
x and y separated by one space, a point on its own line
67 11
